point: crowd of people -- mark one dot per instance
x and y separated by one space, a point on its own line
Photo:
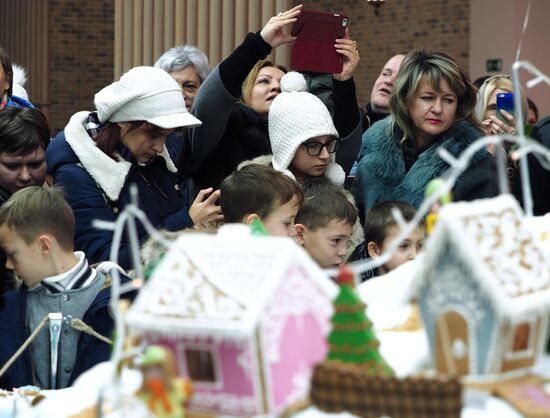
247 141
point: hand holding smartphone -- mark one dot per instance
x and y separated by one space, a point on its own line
505 101
313 50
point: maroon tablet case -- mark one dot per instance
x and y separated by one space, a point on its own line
314 49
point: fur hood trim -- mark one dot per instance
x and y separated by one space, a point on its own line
381 168
109 174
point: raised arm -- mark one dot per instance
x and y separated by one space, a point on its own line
222 88
347 118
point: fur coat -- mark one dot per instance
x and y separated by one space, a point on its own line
381 173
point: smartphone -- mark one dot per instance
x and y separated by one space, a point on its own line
313 50
505 101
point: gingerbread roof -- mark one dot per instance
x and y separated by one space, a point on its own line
493 239
219 284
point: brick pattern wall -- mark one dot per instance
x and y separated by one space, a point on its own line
81 60
397 27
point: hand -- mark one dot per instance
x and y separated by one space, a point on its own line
497 127
204 208
348 49
272 32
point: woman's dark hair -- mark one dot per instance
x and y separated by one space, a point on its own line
5 61
23 130
108 138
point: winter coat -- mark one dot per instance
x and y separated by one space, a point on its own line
13 332
369 116
382 176
539 177
232 132
98 187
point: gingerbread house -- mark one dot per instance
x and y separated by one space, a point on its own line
483 290
245 316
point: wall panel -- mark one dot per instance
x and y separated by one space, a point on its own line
144 29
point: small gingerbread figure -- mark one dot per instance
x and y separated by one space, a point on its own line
165 394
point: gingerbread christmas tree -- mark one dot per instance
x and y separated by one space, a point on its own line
352 338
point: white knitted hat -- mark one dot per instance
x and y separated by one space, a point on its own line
145 93
294 117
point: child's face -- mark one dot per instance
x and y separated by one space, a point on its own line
305 165
327 245
407 249
22 258
280 222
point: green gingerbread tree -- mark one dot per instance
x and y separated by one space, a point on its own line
352 339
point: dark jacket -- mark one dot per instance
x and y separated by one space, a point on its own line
383 175
360 253
232 133
98 187
13 332
539 177
6 276
369 116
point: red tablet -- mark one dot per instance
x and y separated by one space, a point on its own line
314 49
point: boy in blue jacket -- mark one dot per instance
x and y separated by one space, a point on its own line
36 232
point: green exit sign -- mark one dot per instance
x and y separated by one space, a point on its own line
494 65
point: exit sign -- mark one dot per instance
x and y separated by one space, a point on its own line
494 65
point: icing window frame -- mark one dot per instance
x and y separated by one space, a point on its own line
514 352
213 377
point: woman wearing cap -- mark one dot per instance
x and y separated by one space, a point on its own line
99 154
234 131
432 106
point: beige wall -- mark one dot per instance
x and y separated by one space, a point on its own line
495 31
144 29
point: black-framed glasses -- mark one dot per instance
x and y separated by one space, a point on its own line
315 148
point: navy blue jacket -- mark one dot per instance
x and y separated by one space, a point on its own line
158 191
17 101
13 332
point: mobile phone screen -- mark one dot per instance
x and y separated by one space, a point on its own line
505 101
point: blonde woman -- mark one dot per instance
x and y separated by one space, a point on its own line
432 106
486 106
234 102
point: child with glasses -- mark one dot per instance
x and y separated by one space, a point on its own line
303 137
304 142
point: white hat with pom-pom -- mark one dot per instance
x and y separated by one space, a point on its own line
296 116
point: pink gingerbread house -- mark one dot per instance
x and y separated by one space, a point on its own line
245 316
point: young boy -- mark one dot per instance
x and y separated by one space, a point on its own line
381 229
325 222
260 192
36 232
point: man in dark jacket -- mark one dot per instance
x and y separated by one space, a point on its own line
379 106
36 232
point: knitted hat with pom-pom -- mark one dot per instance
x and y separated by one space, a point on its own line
144 94
294 117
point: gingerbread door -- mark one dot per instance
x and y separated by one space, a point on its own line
452 344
